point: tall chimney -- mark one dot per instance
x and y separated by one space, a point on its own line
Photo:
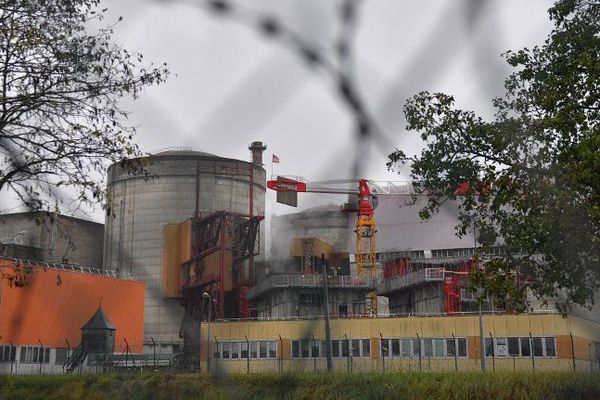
257 149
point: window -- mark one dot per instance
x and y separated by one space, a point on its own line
462 347
253 349
34 355
522 347
244 353
355 348
417 347
385 346
366 348
8 353
427 348
316 349
305 348
226 349
489 347
405 348
272 349
395 347
438 347
513 346
538 349
345 352
550 347
263 349
525 347
235 350
450 348
335 351
295 349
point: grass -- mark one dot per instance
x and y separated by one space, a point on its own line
463 386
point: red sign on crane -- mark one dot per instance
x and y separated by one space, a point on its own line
283 184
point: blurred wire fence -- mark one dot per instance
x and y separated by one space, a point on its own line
373 126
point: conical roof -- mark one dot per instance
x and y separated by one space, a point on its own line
99 321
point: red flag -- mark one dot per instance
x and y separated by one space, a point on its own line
275 159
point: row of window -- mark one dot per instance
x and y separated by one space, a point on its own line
520 347
308 348
400 348
236 350
31 354
427 347
34 355
8 353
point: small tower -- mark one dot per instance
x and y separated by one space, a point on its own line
257 149
98 334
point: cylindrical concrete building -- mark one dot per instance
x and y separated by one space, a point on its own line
176 185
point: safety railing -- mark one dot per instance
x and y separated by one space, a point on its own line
294 280
412 279
71 267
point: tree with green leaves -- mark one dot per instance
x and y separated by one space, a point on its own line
61 80
529 178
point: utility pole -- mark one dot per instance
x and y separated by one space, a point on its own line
327 327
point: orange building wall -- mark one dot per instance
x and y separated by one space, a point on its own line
55 304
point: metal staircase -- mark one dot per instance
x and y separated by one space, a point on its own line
75 360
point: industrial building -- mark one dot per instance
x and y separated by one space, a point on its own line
46 309
539 341
175 186
294 289
183 253
51 237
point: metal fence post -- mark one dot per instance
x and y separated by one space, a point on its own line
12 355
248 354
313 354
348 360
455 352
382 350
41 356
532 352
420 354
572 351
153 351
493 353
280 354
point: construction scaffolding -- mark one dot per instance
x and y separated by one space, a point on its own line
217 270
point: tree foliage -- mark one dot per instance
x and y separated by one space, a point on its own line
530 177
61 81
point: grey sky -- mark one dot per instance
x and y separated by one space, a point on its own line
233 86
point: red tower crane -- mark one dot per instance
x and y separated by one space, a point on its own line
365 223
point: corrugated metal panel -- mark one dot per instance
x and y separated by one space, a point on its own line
55 304
212 265
318 247
172 269
185 241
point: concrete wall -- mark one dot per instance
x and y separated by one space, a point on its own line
177 184
59 238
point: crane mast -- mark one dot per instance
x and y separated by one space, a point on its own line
366 251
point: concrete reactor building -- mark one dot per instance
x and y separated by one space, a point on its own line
176 186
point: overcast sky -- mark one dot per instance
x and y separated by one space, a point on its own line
231 86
